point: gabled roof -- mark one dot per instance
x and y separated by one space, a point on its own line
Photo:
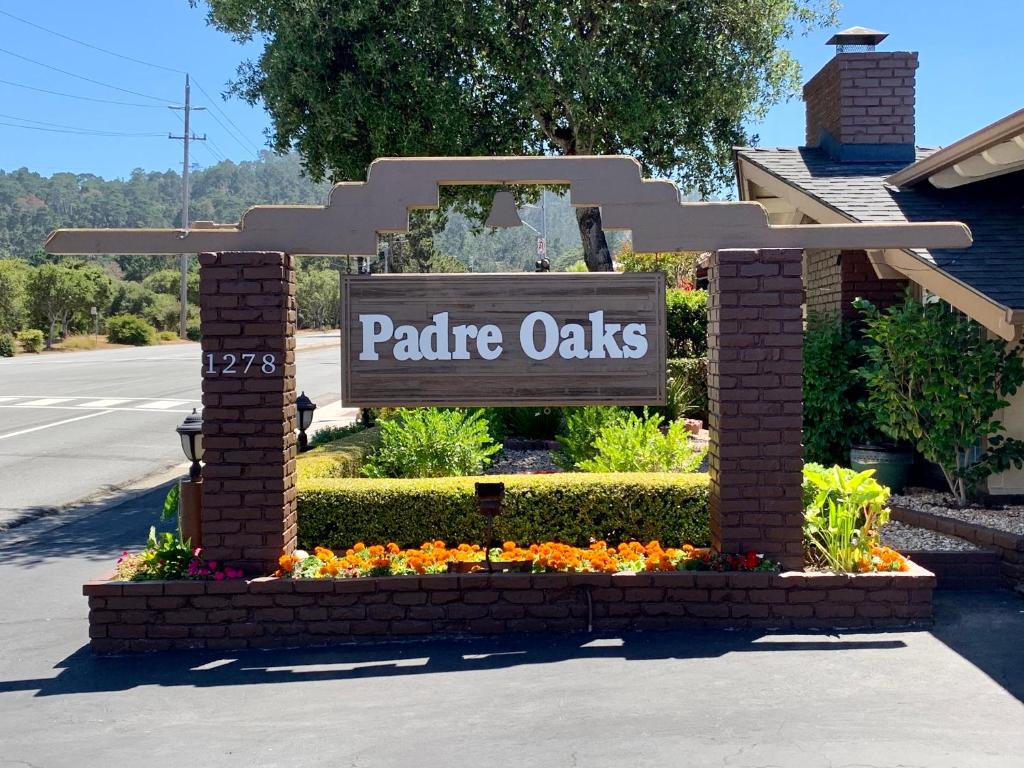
992 151
993 209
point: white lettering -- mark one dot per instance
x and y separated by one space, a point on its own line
462 333
436 332
634 339
526 331
575 344
602 339
488 336
407 346
376 328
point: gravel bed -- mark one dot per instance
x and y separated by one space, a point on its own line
513 462
1009 518
907 538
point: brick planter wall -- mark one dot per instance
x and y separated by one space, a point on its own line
971 570
269 612
1008 546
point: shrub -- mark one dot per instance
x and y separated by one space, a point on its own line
168 336
687 319
32 340
333 434
7 346
687 388
843 511
936 379
343 457
637 444
432 442
582 426
570 508
536 423
192 331
833 417
129 329
79 342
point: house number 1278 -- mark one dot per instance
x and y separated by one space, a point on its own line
231 364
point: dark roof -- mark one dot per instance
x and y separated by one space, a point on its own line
993 209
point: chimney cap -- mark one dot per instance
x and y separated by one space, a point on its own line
856 37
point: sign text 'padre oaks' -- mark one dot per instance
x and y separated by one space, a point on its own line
508 339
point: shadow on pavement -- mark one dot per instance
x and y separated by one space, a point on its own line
82 672
986 629
95 530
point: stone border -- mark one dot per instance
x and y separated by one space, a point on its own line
970 570
1009 546
271 612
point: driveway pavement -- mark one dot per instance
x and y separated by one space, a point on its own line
78 425
951 696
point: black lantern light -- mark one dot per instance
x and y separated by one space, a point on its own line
191 433
305 407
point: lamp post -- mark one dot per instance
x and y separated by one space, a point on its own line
305 408
191 433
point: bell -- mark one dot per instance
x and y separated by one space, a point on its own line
503 211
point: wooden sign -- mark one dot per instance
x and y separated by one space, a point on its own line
503 339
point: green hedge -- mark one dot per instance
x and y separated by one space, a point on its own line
692 375
687 319
571 507
340 458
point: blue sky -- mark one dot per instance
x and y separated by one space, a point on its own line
970 63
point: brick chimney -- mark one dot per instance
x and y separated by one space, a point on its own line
860 106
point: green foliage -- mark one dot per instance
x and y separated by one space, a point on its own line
573 508
168 282
936 379
432 442
687 390
7 346
343 457
530 423
843 511
637 444
165 557
31 340
60 293
13 279
498 78
171 503
582 426
318 298
577 266
687 320
128 329
167 336
680 267
333 434
833 416
193 330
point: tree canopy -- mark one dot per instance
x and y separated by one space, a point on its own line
672 83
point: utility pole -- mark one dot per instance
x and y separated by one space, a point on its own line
186 137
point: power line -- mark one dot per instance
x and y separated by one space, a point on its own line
90 45
82 133
240 138
252 147
58 125
82 98
82 77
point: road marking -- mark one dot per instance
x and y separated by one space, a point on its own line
159 405
136 409
46 401
100 403
53 424
8 399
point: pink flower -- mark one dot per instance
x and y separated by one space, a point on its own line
219 576
212 565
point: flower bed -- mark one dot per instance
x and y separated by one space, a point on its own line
274 612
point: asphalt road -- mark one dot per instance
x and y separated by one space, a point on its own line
76 425
950 696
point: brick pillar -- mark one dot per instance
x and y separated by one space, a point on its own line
247 307
755 359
